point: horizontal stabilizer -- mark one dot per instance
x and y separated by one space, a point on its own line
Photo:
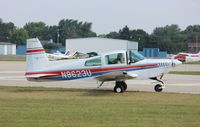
38 75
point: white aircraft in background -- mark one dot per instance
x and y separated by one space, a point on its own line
59 56
69 55
188 57
116 66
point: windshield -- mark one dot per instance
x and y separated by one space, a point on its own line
135 56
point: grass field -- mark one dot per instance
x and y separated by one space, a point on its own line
185 72
12 59
198 62
42 107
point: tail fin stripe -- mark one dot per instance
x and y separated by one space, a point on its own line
35 53
35 50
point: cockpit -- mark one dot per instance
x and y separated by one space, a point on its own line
115 58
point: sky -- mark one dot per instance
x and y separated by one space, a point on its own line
105 15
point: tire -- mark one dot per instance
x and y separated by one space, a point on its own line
118 89
158 88
122 83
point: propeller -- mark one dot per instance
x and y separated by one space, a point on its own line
175 62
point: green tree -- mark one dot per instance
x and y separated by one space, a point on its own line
69 28
125 33
52 33
168 38
37 29
19 36
5 30
141 37
113 35
193 33
49 46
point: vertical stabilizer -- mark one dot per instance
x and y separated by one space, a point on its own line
36 58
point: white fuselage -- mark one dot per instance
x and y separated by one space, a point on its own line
76 69
112 66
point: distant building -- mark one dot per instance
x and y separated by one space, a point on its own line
194 47
153 52
21 50
99 45
7 48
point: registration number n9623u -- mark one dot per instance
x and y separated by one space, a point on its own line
76 74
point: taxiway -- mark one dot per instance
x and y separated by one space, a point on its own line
12 74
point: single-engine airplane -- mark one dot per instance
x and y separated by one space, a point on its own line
117 66
188 57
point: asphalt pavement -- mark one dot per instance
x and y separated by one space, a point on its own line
12 74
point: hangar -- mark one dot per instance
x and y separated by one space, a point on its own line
7 48
99 45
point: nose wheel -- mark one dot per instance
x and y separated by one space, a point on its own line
120 87
158 87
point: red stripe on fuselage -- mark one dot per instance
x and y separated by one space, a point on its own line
121 68
53 73
95 70
34 50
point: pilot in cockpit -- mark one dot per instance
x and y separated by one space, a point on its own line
120 58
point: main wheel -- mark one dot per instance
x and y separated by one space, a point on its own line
158 88
124 85
118 89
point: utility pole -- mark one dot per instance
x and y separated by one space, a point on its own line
196 44
58 35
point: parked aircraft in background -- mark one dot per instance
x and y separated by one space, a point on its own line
68 55
188 57
116 66
59 56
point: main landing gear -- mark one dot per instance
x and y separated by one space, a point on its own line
158 87
120 87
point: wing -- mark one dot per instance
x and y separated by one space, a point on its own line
116 76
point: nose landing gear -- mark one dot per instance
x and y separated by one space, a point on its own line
158 87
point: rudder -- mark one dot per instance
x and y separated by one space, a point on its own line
36 58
